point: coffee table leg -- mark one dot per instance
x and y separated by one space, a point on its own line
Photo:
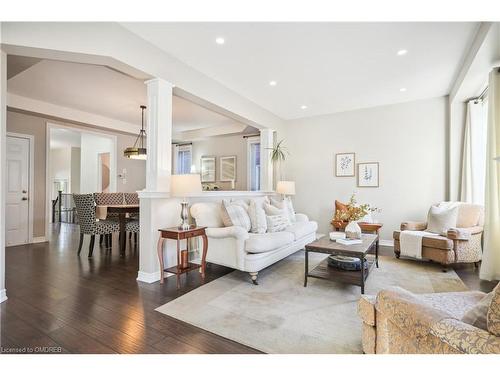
362 275
376 252
306 271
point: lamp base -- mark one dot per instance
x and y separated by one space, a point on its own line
184 217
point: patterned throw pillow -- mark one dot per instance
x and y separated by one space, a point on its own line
285 204
235 215
273 210
257 217
277 223
493 316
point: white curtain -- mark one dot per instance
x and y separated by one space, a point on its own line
490 267
474 153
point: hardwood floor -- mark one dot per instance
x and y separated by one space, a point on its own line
62 303
70 304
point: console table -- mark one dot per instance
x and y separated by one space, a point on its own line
178 235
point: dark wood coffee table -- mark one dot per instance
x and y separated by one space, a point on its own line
326 246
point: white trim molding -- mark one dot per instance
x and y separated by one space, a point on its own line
39 239
151 277
386 243
3 295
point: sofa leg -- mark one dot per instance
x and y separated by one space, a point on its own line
254 275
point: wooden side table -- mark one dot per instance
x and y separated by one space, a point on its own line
177 234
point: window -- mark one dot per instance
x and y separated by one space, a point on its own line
182 159
253 157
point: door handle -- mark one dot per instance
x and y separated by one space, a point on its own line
25 191
24 198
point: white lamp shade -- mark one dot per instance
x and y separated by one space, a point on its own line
286 187
185 185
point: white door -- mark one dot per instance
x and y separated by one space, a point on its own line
17 208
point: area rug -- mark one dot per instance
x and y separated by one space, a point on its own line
281 316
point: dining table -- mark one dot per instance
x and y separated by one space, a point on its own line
122 210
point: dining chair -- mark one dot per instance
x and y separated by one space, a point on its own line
85 207
133 198
132 226
106 199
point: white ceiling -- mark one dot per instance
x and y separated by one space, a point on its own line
102 91
329 67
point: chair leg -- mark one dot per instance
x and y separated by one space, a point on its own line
91 246
101 238
135 237
81 243
445 268
129 236
111 240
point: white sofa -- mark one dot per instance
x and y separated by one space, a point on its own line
250 252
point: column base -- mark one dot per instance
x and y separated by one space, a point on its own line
3 295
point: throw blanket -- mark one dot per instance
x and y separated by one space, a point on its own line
410 242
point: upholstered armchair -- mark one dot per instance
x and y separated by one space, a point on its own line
399 322
462 244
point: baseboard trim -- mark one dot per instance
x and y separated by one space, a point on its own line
151 277
39 239
386 243
3 295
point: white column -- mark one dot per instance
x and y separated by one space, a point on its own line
157 210
3 130
266 165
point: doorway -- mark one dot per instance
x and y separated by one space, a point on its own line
19 206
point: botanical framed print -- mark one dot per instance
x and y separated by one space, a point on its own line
368 174
345 164
227 168
207 168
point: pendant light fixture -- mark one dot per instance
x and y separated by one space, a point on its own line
138 151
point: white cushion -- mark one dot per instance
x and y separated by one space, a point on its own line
440 219
273 210
207 214
241 202
277 223
257 217
301 229
285 204
261 243
235 215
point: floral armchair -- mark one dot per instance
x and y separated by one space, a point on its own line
397 321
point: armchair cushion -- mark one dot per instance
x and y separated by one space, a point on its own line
493 316
466 338
433 241
413 225
366 309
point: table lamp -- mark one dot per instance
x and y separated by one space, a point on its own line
285 188
183 186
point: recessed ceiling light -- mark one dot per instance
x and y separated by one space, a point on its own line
303 107
402 52
402 89
220 40
273 83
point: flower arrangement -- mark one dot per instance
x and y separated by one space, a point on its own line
353 211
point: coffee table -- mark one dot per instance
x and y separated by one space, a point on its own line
326 246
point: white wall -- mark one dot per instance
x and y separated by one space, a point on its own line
408 140
60 166
224 146
91 146
75 170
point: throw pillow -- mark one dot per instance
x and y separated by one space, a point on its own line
476 316
493 315
285 204
235 215
439 220
273 211
277 223
257 217
240 202
339 206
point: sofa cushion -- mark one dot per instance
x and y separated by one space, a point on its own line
262 243
301 229
257 217
277 223
433 241
207 214
493 315
285 204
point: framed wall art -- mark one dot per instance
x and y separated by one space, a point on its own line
345 164
227 168
207 169
368 174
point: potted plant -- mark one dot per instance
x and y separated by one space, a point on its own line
278 155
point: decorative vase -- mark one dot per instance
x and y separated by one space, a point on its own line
352 230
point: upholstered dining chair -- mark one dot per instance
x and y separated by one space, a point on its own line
85 207
133 198
106 199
